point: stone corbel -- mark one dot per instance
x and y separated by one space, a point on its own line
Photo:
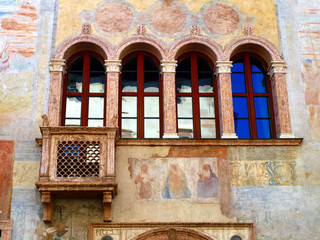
47 202
57 65
277 67
113 66
107 200
168 66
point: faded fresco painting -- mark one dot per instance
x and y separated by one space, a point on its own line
175 178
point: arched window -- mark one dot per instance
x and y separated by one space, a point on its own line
252 98
84 91
196 97
140 95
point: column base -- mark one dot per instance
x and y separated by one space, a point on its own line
170 135
286 135
229 135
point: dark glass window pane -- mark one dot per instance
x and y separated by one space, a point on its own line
129 82
237 65
259 83
263 128
97 82
184 82
238 83
240 107
205 82
149 64
74 82
130 64
76 64
96 64
256 66
235 237
184 65
203 65
151 81
242 128
261 106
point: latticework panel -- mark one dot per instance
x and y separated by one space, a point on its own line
78 159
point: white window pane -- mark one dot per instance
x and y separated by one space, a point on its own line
129 128
72 122
208 128
206 107
96 107
184 107
185 128
129 106
73 107
95 123
96 82
151 106
151 128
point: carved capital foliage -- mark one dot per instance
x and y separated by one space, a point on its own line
113 66
168 66
277 67
57 65
223 67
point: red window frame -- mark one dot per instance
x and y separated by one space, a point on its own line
196 95
250 94
85 88
141 94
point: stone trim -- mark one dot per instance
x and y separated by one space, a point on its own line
277 67
168 66
223 67
57 65
113 66
6 229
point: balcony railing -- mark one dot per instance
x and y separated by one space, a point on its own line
77 162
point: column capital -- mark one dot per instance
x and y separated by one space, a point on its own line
112 66
168 66
278 67
223 67
57 65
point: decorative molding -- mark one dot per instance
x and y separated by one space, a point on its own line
277 67
248 31
223 67
86 29
168 66
141 29
195 30
113 66
57 65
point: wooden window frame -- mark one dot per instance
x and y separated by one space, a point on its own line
85 88
196 95
140 94
250 95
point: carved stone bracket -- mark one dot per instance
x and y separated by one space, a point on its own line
57 65
107 199
223 67
86 29
277 67
168 66
113 66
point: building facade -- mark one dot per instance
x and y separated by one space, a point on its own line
159 119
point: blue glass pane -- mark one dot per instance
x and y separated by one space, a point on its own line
238 83
237 65
256 65
259 83
261 107
263 128
240 107
242 128
203 65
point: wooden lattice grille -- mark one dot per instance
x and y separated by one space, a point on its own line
78 158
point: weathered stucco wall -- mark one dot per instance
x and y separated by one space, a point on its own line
275 187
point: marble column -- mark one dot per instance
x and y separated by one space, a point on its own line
277 71
168 71
57 71
223 74
113 72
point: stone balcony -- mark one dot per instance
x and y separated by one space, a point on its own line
77 162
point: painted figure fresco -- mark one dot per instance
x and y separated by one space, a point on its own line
144 183
176 184
208 184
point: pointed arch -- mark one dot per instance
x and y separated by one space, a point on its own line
196 43
141 43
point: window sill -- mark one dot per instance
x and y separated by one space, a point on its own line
210 142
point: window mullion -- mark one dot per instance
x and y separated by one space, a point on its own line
85 90
195 97
140 96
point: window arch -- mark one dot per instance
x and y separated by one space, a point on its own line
252 97
84 91
140 97
196 97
